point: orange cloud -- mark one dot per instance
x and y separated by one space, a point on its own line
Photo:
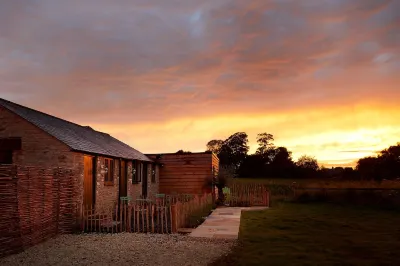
322 76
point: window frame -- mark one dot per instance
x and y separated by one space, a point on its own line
109 175
137 166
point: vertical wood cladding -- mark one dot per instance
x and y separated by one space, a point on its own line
186 173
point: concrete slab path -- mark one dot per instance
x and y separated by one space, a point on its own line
223 223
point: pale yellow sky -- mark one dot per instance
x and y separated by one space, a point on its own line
333 136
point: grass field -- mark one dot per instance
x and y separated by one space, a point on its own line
317 234
322 183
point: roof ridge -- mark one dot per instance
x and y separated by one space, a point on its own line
37 111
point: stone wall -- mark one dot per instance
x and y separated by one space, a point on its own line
134 189
153 187
106 195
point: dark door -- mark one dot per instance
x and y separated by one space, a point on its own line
123 188
88 184
144 181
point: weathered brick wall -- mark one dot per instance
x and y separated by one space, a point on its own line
78 166
134 190
41 149
106 195
152 187
38 147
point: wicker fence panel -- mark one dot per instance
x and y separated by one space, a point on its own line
66 202
10 241
38 203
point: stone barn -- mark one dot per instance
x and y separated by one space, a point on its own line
107 169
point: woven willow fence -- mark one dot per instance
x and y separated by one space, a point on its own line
36 204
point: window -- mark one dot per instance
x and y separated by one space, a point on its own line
109 175
137 172
7 146
6 157
12 143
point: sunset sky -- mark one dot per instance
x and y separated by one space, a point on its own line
322 76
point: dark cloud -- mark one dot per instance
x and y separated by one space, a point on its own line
157 60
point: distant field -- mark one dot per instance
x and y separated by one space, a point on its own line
330 183
317 234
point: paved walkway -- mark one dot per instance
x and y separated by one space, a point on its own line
223 223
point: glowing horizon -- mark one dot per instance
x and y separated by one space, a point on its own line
337 145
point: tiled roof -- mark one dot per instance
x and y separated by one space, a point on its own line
78 138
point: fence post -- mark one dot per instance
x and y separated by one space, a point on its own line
174 218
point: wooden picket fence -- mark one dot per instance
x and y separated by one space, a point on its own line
181 211
164 215
247 195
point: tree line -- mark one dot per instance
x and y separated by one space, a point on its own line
276 161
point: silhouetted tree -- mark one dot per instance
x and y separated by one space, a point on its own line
271 161
234 150
384 166
307 166
253 166
183 152
307 162
215 145
265 143
282 164
389 162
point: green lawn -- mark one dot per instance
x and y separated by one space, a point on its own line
317 234
326 183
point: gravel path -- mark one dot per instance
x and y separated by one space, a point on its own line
122 249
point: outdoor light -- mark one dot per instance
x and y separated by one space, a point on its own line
105 170
133 171
153 172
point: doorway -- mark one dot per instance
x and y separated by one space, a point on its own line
88 182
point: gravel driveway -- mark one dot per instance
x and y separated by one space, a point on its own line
122 249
